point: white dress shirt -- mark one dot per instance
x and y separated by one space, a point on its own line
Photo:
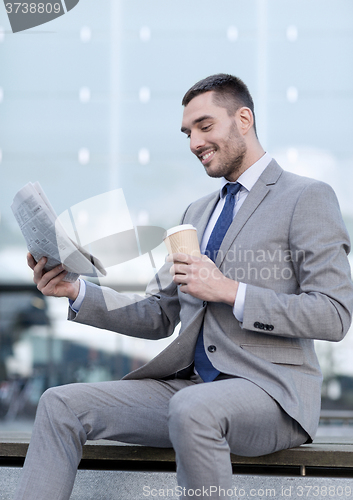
247 180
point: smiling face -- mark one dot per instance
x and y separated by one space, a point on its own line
214 137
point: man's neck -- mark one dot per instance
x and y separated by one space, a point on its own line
250 159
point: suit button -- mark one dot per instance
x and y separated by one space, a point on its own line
257 324
270 327
212 348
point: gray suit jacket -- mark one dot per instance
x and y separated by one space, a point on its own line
288 243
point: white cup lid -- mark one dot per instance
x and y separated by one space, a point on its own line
176 229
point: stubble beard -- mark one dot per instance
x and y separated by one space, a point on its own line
234 152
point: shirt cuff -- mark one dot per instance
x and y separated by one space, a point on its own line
238 308
76 304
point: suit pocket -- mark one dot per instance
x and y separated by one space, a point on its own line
276 354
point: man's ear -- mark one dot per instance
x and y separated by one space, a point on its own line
245 120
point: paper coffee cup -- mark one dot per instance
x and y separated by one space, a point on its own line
182 239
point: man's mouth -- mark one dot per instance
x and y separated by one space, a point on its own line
206 157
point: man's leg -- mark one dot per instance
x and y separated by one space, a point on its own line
207 421
133 411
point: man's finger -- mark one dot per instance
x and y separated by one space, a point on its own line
180 279
30 261
180 257
38 270
40 277
40 264
179 268
47 285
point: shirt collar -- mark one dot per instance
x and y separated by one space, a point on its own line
251 174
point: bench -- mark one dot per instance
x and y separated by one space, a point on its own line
326 453
117 471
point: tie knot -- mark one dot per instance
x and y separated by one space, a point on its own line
232 188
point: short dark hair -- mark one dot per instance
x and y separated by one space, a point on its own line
230 92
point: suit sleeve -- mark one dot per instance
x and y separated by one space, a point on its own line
323 306
152 316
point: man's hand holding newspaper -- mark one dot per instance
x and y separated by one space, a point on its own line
56 260
52 283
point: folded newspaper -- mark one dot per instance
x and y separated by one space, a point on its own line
46 237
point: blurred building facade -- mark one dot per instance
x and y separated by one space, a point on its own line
92 102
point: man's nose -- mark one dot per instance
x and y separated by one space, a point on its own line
196 142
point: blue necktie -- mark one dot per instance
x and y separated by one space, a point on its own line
202 364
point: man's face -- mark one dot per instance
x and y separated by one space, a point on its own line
214 137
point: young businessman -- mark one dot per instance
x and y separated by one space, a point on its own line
242 376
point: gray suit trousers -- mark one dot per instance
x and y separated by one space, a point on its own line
202 422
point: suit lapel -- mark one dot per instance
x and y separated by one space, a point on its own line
256 195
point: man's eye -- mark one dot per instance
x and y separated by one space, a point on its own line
204 129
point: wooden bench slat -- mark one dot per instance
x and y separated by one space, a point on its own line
324 452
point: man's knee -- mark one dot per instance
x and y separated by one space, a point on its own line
187 410
49 396
53 399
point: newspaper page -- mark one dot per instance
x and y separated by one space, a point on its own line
46 237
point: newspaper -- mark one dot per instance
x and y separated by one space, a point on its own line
46 237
